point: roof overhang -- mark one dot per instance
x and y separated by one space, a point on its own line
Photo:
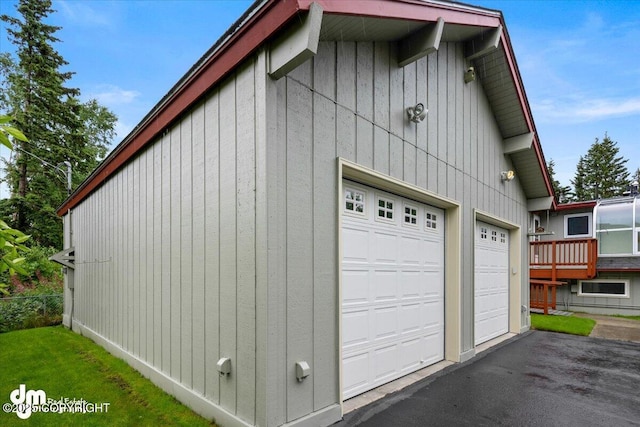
293 28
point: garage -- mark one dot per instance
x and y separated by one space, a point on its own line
491 282
392 287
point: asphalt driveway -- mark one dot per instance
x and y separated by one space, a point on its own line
535 379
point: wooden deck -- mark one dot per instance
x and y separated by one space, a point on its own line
563 259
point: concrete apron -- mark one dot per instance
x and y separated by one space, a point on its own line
614 328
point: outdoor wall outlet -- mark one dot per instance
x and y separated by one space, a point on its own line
224 366
302 370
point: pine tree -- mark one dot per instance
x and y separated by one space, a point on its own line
60 128
562 192
601 173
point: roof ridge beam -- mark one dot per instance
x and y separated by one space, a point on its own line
484 43
296 46
420 43
518 143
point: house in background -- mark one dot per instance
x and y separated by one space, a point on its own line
336 195
593 247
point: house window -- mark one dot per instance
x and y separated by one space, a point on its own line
431 222
577 225
385 209
615 228
604 288
503 238
410 215
494 236
354 201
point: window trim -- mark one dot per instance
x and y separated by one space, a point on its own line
589 215
595 295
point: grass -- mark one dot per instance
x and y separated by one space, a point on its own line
564 324
627 317
66 365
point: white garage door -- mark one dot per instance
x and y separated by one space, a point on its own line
392 287
491 282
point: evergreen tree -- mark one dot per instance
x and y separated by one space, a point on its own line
601 173
562 192
60 128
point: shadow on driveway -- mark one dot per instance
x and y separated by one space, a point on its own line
538 378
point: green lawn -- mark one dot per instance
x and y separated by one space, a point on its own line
565 324
66 365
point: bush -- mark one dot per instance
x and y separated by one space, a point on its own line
30 311
42 276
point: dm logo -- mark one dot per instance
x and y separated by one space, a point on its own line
26 399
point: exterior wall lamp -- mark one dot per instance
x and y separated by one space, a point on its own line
507 175
417 114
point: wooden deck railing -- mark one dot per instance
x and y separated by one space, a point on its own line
563 259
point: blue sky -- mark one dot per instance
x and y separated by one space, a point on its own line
579 60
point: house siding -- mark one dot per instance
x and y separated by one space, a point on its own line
220 239
166 250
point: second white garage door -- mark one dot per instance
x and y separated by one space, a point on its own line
392 287
491 282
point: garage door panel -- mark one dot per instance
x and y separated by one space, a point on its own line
355 287
355 328
403 291
410 318
384 285
385 322
356 245
491 302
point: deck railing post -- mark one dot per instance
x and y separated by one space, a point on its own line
554 273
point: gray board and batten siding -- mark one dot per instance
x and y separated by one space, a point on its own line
220 239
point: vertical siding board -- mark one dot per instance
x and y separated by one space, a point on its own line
246 214
364 145
381 150
198 250
432 173
325 324
131 269
396 96
264 123
277 258
345 75
452 101
396 156
166 245
409 163
346 133
134 263
364 80
144 261
381 84
158 230
186 254
151 265
421 168
299 248
461 118
421 96
409 92
324 70
175 244
228 243
443 95
432 104
212 248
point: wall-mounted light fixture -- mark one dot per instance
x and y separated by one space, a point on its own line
417 114
507 175
469 75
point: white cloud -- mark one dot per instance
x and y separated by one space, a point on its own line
111 95
580 110
81 12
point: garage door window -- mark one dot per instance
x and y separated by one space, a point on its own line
354 201
385 209
410 215
431 221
